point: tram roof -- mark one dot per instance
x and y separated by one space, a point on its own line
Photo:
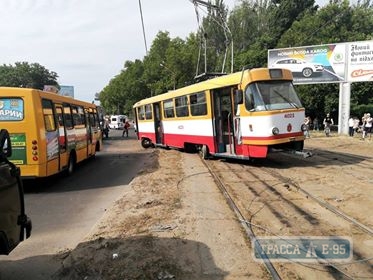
218 82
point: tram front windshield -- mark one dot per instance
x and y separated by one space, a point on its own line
271 95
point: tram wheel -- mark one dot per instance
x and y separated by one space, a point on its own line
146 143
204 152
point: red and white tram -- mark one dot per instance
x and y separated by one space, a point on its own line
241 115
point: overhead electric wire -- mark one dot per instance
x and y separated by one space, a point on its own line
143 27
222 23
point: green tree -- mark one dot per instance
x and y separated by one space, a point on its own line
214 39
23 74
335 23
256 26
260 24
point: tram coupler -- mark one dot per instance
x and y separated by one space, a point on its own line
303 153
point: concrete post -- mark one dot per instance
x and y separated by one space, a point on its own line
344 107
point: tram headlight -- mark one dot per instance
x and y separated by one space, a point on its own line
275 131
303 127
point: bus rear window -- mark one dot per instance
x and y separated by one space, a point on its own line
11 109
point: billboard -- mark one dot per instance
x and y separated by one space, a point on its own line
330 63
312 64
360 61
67 91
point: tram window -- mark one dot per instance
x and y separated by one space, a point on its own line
181 105
148 112
198 106
253 98
168 108
49 120
141 113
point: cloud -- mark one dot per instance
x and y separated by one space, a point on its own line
86 42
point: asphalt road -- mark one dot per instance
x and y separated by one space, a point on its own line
64 209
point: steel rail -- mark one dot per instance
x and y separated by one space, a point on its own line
321 202
250 233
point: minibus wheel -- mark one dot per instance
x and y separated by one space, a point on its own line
146 143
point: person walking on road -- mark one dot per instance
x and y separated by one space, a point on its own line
125 128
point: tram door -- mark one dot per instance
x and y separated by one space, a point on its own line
158 124
223 117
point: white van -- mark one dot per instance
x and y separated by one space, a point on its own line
117 121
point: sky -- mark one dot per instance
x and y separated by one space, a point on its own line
86 42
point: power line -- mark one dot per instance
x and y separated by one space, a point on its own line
143 28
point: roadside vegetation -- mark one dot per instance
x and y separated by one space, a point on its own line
255 26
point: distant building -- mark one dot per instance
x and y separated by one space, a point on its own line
67 91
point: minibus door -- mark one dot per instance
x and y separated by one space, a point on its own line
90 146
158 124
62 138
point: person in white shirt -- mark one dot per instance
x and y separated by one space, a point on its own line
351 126
368 126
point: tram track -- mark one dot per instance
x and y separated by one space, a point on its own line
321 202
247 227
357 167
272 200
361 161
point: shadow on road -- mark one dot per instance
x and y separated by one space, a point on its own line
117 164
145 257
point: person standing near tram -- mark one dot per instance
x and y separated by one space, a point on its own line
328 122
368 126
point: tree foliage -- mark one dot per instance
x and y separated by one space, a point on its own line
254 27
23 74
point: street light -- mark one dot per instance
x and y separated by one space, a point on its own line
172 73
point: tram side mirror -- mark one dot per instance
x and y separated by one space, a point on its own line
14 223
238 95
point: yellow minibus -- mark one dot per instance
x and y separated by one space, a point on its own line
50 133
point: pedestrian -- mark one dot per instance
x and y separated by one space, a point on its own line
106 128
363 121
368 126
351 123
307 122
356 125
316 124
125 128
328 122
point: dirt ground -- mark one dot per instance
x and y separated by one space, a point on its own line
173 223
